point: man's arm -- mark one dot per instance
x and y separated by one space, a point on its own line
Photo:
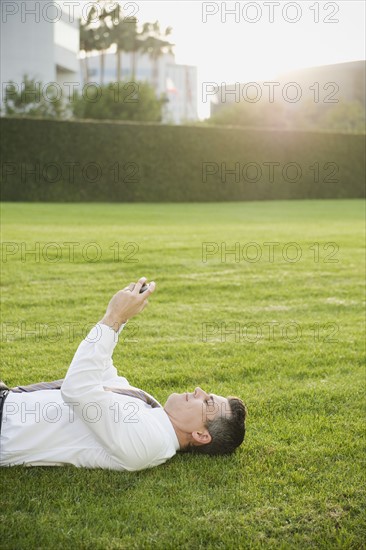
83 385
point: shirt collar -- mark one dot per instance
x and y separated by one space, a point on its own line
165 421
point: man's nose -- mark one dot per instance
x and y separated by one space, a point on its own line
199 392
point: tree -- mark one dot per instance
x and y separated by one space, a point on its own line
33 99
133 44
119 39
155 45
95 35
87 39
102 39
126 38
87 44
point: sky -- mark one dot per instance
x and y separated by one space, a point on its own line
260 39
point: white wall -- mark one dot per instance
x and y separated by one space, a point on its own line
26 46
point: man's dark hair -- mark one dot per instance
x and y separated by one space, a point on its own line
227 432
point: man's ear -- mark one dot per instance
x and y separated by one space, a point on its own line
201 438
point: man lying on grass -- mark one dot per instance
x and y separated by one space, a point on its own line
95 419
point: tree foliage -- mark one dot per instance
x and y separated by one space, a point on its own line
345 116
119 101
349 117
34 99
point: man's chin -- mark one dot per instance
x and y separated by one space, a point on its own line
172 399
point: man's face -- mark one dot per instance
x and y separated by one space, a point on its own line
190 411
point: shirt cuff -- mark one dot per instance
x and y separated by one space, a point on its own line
104 328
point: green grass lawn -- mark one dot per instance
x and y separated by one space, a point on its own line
286 336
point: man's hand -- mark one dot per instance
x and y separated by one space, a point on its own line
126 304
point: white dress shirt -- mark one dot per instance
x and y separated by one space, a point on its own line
84 425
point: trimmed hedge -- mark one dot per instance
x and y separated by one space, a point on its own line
47 160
